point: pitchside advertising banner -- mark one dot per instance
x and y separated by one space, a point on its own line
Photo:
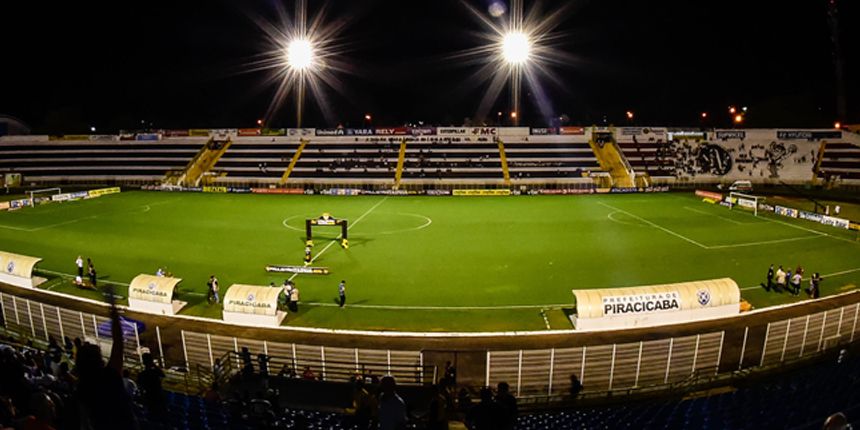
784 211
808 134
709 195
214 189
730 134
571 130
497 192
640 303
70 196
103 192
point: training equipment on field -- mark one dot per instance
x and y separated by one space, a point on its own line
16 269
45 191
327 220
746 201
305 270
619 308
253 305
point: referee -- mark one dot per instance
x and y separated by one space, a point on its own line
341 291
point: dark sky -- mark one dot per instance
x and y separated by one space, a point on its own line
68 65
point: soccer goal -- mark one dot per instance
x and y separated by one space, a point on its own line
745 201
34 194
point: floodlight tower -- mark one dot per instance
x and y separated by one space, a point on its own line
516 50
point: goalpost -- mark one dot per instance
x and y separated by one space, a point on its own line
745 201
48 191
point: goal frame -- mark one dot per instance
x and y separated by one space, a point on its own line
33 193
734 195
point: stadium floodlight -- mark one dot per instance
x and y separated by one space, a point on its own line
300 54
516 47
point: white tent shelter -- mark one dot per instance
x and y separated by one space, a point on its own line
154 294
253 305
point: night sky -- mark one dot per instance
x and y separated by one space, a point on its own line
174 64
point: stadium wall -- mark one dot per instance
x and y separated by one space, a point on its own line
535 364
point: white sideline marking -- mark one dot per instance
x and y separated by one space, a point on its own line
764 242
351 225
715 215
145 208
655 225
820 233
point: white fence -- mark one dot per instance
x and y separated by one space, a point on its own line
530 372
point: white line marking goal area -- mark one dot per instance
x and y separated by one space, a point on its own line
817 235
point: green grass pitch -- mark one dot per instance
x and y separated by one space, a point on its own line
429 263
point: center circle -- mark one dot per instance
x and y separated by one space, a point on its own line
420 222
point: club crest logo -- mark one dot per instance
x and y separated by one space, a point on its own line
704 297
151 286
10 267
250 297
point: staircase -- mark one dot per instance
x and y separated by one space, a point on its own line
292 165
400 160
612 160
205 159
504 160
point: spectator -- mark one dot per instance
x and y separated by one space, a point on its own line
149 380
507 406
464 400
91 272
129 384
101 396
308 373
247 365
392 408
437 416
211 396
575 386
363 405
485 415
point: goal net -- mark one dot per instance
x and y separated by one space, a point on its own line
37 196
745 201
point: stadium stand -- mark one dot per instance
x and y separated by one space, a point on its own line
840 159
550 158
357 159
59 161
257 158
458 159
653 156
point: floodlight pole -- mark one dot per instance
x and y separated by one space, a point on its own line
516 78
300 99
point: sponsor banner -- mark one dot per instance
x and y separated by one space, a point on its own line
223 132
484 131
765 207
642 303
103 137
489 192
571 130
514 131
731 134
543 131
390 131
126 136
273 132
294 132
4 206
250 131
746 203
688 134
277 190
452 131
566 191
147 136
341 192
643 131
390 193
438 192
359 132
70 137
711 201
807 134
175 133
422 131
61 197
198 132
854 226
812 216
305 270
330 132
709 195
726 204
835 222
214 189
602 190
784 211
20 203
102 192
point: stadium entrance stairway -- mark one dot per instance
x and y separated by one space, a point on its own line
293 161
611 159
204 161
